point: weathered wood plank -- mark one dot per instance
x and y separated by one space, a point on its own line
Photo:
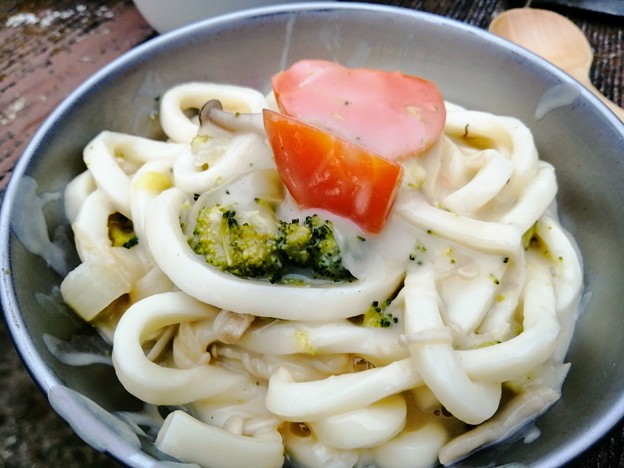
46 52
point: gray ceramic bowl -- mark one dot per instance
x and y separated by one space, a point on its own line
572 130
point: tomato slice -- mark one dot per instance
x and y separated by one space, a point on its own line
321 170
390 113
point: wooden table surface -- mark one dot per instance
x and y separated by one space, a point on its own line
48 47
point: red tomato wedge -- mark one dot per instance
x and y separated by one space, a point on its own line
390 113
323 171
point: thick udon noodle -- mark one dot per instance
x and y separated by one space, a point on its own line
488 285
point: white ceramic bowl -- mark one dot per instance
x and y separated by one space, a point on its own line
582 139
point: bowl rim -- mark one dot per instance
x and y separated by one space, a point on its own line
45 378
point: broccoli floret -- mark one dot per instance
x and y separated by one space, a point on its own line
255 244
121 231
325 252
377 316
312 245
294 242
243 243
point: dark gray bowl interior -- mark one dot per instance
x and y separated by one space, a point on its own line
580 137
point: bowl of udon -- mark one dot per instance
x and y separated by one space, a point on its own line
323 235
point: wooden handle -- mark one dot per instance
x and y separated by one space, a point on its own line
618 111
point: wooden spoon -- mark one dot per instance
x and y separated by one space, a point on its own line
555 38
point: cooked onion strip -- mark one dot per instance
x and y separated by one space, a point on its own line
525 407
185 437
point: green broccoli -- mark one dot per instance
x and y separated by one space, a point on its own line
242 243
377 315
121 231
294 242
325 260
256 244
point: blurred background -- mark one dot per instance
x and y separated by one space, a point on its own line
49 47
